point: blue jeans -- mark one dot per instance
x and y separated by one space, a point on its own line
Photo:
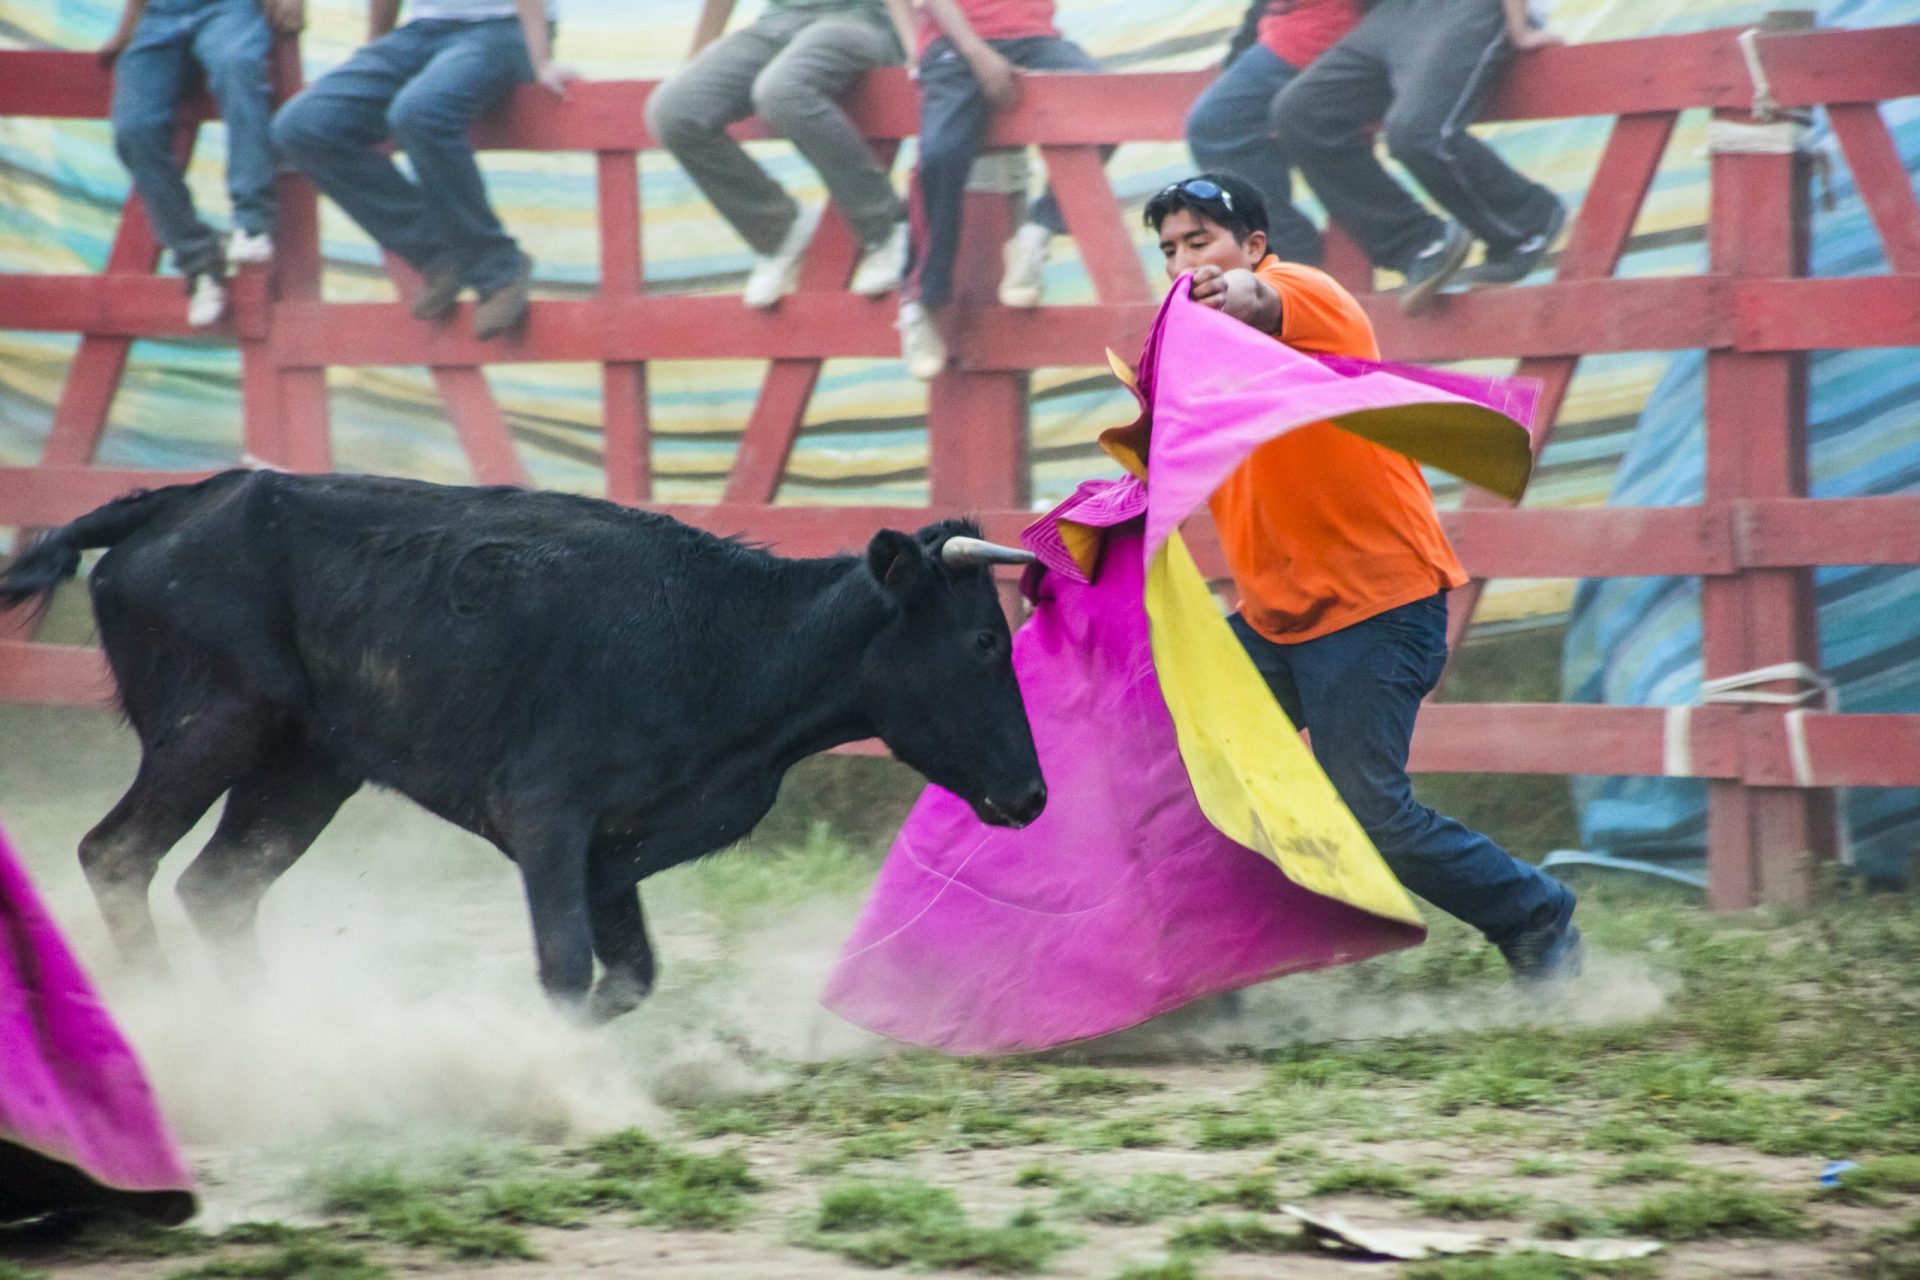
1357 691
1229 130
953 119
228 39
423 85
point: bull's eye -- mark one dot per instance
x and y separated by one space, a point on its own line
987 641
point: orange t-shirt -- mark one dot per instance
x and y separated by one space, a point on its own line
1321 528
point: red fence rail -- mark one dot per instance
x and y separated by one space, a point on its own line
1753 541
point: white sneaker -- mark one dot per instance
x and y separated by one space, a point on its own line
1026 274
921 345
882 265
245 249
206 302
773 278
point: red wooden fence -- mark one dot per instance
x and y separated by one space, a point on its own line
1752 541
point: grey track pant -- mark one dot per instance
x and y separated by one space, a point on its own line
789 69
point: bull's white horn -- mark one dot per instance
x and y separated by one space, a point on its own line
958 553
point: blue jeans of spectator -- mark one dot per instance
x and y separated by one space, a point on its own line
1356 690
422 85
227 40
1230 130
953 119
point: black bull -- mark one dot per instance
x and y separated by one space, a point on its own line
601 692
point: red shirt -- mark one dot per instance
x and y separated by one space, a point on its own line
996 20
1298 31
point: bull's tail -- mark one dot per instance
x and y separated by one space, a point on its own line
54 556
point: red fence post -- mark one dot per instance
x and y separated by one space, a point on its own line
977 420
1761 841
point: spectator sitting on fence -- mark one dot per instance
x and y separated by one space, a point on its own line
1424 66
1343 572
1230 126
968 53
155 51
423 84
789 68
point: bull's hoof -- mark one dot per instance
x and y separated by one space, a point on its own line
613 996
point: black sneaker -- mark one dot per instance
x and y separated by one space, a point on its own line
1522 260
1548 953
1432 267
439 290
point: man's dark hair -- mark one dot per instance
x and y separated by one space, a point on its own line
1234 204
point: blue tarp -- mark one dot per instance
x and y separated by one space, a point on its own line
1637 640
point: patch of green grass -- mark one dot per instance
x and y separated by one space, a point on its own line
678 1190
904 1222
1525 1266
863 1206
1542 1167
1171 1269
719 1122
1721 1208
1623 1134
1020 1248
1091 1082
1892 1253
1569 1222
1234 1132
1647 1167
1471 1206
308 1259
1885 1173
1128 1132
1506 1071
1238 1235
8 1271
1253 1191
887 1144
1365 1179
1040 1175
1145 1197
421 1213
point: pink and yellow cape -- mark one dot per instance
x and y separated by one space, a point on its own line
1191 844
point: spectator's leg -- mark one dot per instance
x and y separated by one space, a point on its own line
953 119
1442 69
331 131
1360 688
1228 132
148 81
233 45
798 96
474 66
1048 53
689 114
1321 120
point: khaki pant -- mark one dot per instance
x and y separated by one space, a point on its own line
789 69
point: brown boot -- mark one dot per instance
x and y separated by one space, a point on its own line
439 291
504 308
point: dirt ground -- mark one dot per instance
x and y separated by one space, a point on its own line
1691 1089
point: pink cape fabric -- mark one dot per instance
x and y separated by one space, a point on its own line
1120 903
79 1128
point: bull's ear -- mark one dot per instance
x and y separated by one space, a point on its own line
896 561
